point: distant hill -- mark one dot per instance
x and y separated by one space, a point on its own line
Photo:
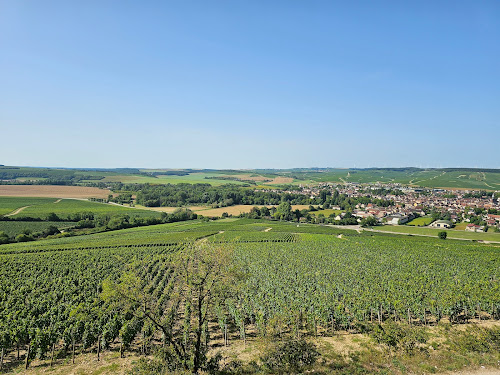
458 178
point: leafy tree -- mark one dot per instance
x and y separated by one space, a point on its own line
200 274
442 235
284 211
369 221
4 238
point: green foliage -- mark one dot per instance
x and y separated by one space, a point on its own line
290 356
369 221
400 336
442 235
477 339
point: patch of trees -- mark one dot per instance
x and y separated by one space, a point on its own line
221 196
328 199
27 235
95 223
479 194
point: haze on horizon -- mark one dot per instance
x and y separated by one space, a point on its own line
280 84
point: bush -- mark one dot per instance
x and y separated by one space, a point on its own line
442 235
291 356
24 238
4 238
477 339
400 336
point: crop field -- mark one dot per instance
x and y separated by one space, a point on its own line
9 205
13 228
52 191
303 278
421 221
191 178
65 207
233 210
326 212
452 233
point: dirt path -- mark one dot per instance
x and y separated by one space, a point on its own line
482 371
267 229
17 211
57 201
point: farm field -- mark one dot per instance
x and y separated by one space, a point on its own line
452 233
191 178
65 207
326 212
52 191
431 178
13 228
420 221
336 278
9 205
235 210
18 207
217 212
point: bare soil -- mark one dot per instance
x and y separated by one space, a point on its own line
52 191
279 181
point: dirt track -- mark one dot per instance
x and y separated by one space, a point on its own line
17 211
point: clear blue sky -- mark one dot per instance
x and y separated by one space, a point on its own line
250 84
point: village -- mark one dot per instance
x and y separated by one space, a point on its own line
469 210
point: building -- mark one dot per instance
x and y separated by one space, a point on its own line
442 224
474 228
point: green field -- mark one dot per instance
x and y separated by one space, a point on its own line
326 212
432 178
13 228
421 221
452 233
66 207
191 178
10 204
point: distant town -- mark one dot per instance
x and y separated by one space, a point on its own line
470 210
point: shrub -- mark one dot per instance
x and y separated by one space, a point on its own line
291 356
477 339
442 235
400 336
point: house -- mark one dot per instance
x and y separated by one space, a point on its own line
397 219
494 217
442 224
474 228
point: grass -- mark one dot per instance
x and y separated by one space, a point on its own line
421 221
461 226
452 233
67 207
10 204
191 178
326 212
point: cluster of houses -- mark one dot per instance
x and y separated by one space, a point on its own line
410 202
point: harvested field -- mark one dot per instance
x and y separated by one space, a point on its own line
171 209
235 210
280 180
52 191
249 177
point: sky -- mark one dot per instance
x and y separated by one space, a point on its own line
249 84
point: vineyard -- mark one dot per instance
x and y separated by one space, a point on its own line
294 280
14 227
67 207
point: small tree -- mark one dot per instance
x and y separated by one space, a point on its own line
442 235
369 221
200 275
